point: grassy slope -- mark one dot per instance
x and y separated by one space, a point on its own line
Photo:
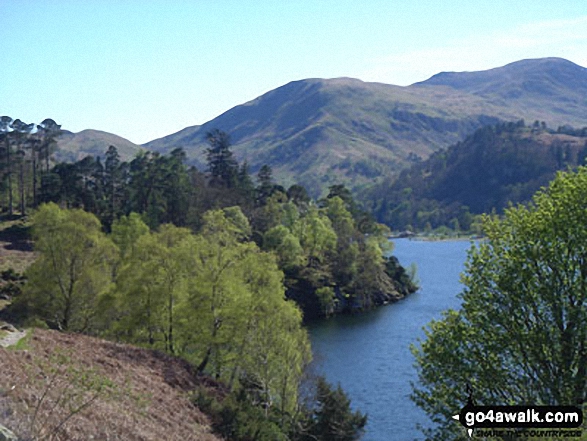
145 399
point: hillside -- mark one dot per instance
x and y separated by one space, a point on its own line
494 166
74 146
322 131
143 394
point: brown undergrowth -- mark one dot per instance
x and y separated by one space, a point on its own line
75 387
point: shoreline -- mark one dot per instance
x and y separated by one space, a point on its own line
422 238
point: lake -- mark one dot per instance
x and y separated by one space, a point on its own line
369 354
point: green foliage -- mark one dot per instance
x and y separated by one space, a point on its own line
222 166
316 236
317 246
214 299
241 421
208 294
150 283
159 188
520 336
327 416
327 299
126 231
332 418
286 246
74 268
330 264
238 222
13 283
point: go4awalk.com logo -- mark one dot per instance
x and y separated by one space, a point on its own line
552 421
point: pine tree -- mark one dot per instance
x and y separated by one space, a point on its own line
222 165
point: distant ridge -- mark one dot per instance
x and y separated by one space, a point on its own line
74 146
541 76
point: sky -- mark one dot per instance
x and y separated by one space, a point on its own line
144 69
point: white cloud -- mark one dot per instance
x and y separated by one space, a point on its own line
555 38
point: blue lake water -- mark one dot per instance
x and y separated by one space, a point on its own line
369 354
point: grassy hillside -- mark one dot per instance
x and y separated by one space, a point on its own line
318 132
491 168
132 394
321 132
74 146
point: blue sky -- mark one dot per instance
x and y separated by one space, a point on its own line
147 68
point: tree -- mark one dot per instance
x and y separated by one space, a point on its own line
73 270
126 231
222 166
265 188
521 335
245 184
332 418
113 185
5 131
152 280
147 182
286 246
46 141
298 194
48 130
345 258
176 189
21 131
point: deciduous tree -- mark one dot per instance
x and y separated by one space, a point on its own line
73 270
521 335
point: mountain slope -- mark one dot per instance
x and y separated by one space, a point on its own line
547 89
493 167
74 146
537 77
318 132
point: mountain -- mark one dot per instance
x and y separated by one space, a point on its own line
318 132
493 167
530 78
74 146
548 89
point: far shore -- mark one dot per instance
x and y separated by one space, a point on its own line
432 238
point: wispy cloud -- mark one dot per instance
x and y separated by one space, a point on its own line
555 38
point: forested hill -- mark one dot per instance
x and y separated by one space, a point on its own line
491 168
319 132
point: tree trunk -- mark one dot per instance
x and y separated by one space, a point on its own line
9 166
170 313
204 362
34 178
21 183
